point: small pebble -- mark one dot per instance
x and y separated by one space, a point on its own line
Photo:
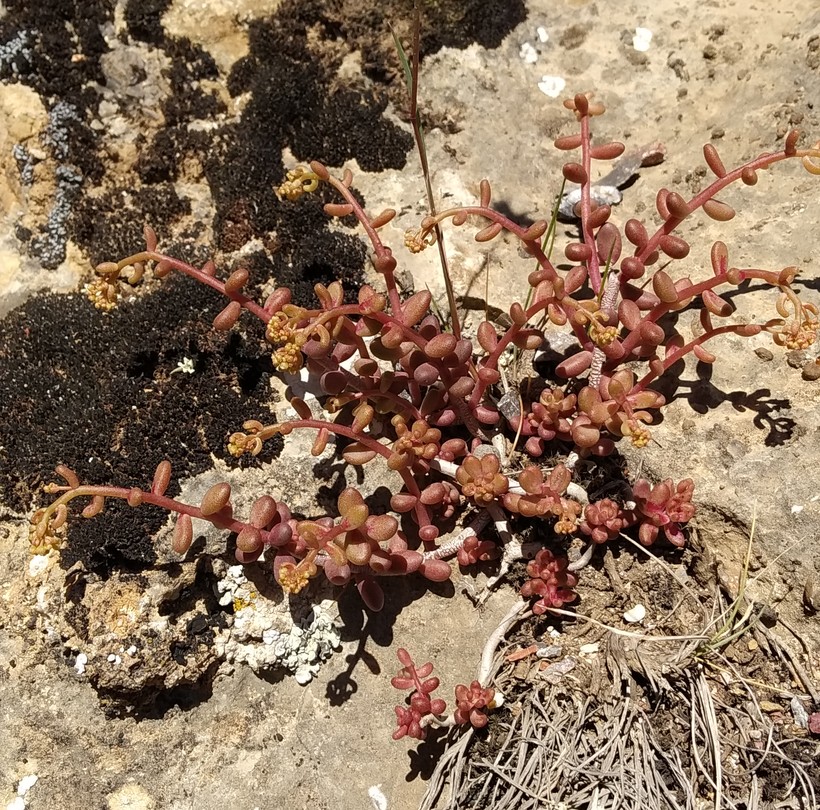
548 651
37 564
796 358
555 672
635 614
764 354
642 39
80 662
552 86
26 784
801 716
811 371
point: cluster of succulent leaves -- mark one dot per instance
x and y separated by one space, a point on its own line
422 710
401 388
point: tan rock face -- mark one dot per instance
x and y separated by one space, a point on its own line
219 27
22 118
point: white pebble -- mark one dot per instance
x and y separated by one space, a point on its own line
79 664
635 614
37 564
378 798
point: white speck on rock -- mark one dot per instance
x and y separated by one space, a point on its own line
797 509
528 53
642 39
543 36
552 86
37 564
26 784
378 798
80 662
635 614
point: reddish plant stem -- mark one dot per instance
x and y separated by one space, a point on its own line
422 515
763 161
146 497
532 245
211 281
492 359
385 254
678 354
593 267
633 339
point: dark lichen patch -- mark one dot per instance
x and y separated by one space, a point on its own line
367 28
103 393
143 18
112 230
52 36
296 101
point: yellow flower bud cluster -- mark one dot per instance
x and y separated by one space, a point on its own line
299 181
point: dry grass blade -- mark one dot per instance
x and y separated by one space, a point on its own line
677 725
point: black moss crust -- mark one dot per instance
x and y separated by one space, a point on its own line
100 393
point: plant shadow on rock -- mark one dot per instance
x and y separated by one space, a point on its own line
361 625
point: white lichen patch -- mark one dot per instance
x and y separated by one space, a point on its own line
265 635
